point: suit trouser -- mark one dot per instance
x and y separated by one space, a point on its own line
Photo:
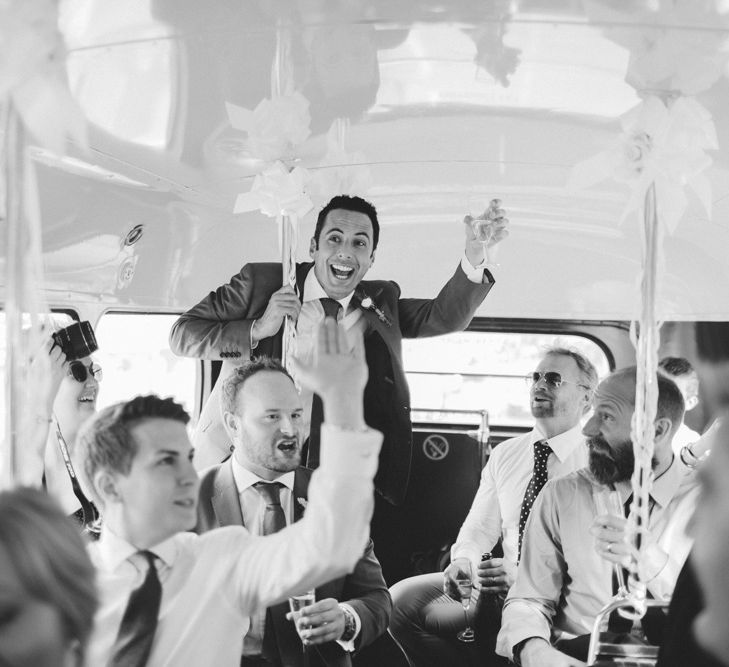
425 621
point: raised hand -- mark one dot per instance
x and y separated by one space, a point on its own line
485 231
58 370
284 302
338 373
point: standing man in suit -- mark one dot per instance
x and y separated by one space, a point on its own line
245 317
263 488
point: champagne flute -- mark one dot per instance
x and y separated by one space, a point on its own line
296 604
607 501
483 225
464 581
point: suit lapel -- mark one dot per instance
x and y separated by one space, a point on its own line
302 270
225 501
301 486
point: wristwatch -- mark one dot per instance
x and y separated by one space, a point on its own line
350 626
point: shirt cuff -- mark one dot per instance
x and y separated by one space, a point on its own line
350 453
653 561
476 274
349 644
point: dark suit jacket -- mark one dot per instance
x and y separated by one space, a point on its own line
364 590
219 328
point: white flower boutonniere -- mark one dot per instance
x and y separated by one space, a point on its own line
303 502
368 304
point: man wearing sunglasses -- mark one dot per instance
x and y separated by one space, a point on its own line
425 617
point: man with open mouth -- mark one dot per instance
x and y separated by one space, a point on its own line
263 488
245 317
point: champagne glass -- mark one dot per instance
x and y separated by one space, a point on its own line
296 604
464 581
607 501
483 225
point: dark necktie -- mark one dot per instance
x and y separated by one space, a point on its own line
136 632
331 309
539 478
274 520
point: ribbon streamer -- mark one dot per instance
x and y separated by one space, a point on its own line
660 146
646 341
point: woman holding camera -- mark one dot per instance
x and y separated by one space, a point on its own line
69 401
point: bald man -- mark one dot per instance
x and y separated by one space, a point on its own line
565 575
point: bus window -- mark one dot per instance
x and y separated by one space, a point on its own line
136 359
476 370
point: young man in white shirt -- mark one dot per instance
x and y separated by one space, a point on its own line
202 590
426 617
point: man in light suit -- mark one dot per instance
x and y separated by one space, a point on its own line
245 317
263 414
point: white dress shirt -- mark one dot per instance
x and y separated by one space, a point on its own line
312 313
562 582
212 583
496 507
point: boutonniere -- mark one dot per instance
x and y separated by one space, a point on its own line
303 502
368 304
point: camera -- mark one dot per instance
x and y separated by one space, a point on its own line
76 340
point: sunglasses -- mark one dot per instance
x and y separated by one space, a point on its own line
80 373
552 379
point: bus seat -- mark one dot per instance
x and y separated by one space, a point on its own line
602 652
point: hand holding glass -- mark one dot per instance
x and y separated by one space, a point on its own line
608 501
296 604
464 580
486 225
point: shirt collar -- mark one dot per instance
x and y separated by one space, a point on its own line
244 478
115 550
313 291
563 444
664 487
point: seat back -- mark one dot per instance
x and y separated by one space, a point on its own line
604 650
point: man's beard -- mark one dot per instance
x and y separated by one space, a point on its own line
610 464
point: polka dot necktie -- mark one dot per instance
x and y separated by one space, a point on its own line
539 478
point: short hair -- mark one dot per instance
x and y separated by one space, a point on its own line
676 366
106 442
233 383
50 561
585 366
712 341
670 400
349 203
